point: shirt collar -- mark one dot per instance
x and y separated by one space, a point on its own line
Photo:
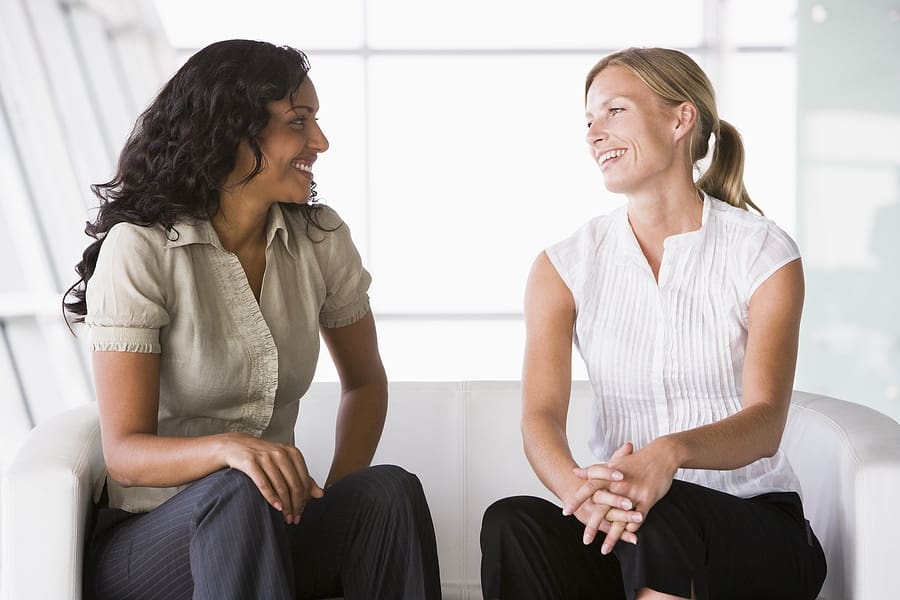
278 226
200 231
627 248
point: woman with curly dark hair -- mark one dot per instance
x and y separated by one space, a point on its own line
211 278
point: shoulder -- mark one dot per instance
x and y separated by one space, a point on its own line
585 244
750 232
590 235
130 243
758 246
319 217
132 235
725 215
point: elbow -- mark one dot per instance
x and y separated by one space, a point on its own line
120 476
771 446
767 452
119 469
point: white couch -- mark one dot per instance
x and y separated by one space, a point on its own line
463 441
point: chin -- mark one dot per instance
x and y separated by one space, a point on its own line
613 186
298 199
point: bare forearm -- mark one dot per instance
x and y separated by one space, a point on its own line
734 442
547 449
150 460
359 426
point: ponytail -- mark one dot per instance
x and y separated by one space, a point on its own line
725 177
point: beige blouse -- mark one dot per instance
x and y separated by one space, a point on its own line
228 363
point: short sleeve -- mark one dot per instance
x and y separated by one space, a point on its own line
346 280
125 300
775 249
560 255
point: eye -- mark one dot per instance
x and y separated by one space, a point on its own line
299 122
615 110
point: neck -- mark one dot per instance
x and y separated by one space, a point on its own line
240 222
665 210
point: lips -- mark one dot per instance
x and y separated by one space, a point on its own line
610 155
304 164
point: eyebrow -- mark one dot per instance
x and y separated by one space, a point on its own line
611 100
301 106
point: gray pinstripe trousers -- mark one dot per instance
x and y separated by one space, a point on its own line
371 536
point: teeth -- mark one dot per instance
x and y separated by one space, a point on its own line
611 154
300 166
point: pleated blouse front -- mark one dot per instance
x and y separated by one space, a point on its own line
668 355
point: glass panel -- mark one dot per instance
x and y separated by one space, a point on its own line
105 81
37 129
46 356
760 22
14 238
341 178
476 167
449 350
14 422
80 125
530 24
758 95
306 25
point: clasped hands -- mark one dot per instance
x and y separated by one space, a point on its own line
616 496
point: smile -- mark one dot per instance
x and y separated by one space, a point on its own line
302 167
611 154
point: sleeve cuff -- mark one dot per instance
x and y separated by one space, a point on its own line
346 315
124 339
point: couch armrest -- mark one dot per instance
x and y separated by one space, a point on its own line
848 459
46 500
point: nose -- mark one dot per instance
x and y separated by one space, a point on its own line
317 139
595 133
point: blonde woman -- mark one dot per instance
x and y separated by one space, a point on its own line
685 307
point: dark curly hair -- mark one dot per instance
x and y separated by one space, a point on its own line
184 144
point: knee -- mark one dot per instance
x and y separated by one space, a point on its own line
508 515
386 487
230 490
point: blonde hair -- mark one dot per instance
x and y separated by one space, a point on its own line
675 78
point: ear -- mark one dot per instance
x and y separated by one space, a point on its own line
685 119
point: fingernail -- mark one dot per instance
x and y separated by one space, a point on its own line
586 540
637 517
278 506
567 511
617 476
626 504
604 549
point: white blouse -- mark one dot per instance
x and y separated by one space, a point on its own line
669 356
227 362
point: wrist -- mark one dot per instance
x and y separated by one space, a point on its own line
219 450
673 451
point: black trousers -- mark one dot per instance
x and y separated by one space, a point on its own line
370 536
728 548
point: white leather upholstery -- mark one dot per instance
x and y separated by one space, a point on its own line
462 440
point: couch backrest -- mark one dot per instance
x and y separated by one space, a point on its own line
463 441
